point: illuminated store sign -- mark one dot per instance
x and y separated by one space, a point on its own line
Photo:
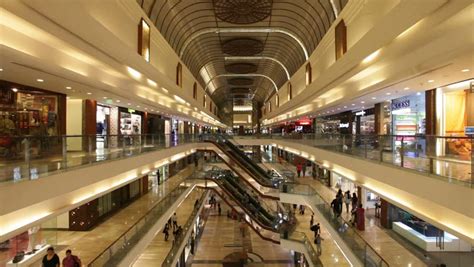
400 104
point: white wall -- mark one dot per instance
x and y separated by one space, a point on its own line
74 123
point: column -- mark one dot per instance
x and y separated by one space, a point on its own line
384 221
378 118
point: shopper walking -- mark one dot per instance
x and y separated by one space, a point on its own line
355 201
304 169
51 259
174 218
298 169
311 221
317 241
219 208
347 200
71 260
166 230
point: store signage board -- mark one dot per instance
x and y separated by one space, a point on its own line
400 104
131 110
343 125
469 130
360 113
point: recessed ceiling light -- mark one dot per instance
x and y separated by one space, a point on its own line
406 88
1 69
430 81
89 93
338 108
40 80
418 93
15 90
104 97
363 107
374 97
362 102
68 87
118 101
146 108
138 106
345 106
388 93
129 104
465 70
353 104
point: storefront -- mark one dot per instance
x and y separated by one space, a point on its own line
131 121
335 124
26 110
363 122
158 176
408 115
457 118
423 234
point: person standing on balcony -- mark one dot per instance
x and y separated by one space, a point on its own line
304 169
174 218
317 241
298 169
355 201
347 200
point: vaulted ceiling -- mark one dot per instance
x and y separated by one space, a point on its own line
243 48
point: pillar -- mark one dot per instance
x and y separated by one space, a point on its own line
144 185
430 110
378 118
384 221
359 194
90 117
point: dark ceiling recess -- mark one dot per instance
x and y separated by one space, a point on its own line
242 47
241 90
241 68
240 81
242 11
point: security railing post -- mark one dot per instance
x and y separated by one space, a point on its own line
64 146
27 156
402 152
89 140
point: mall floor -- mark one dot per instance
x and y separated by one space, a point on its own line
396 250
89 244
156 252
222 238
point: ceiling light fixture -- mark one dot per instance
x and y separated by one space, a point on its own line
371 57
134 73
104 97
430 81
40 80
89 93
129 104
15 90
388 93
406 88
1 69
68 87
465 70
118 101
374 97
362 102
418 93
353 104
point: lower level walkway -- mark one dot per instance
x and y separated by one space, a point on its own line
158 249
394 253
88 245
222 238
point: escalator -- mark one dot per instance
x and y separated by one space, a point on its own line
238 156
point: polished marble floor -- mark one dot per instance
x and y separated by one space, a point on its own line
394 253
89 244
156 252
222 237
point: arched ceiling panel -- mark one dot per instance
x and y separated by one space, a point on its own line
211 35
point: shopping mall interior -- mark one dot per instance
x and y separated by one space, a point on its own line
231 133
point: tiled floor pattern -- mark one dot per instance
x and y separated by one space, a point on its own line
222 237
158 249
88 245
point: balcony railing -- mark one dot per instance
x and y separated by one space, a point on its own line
446 158
33 157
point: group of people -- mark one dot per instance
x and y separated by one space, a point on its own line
172 223
301 169
51 259
345 198
356 210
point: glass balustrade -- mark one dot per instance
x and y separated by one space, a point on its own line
175 250
112 255
363 251
33 157
442 157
